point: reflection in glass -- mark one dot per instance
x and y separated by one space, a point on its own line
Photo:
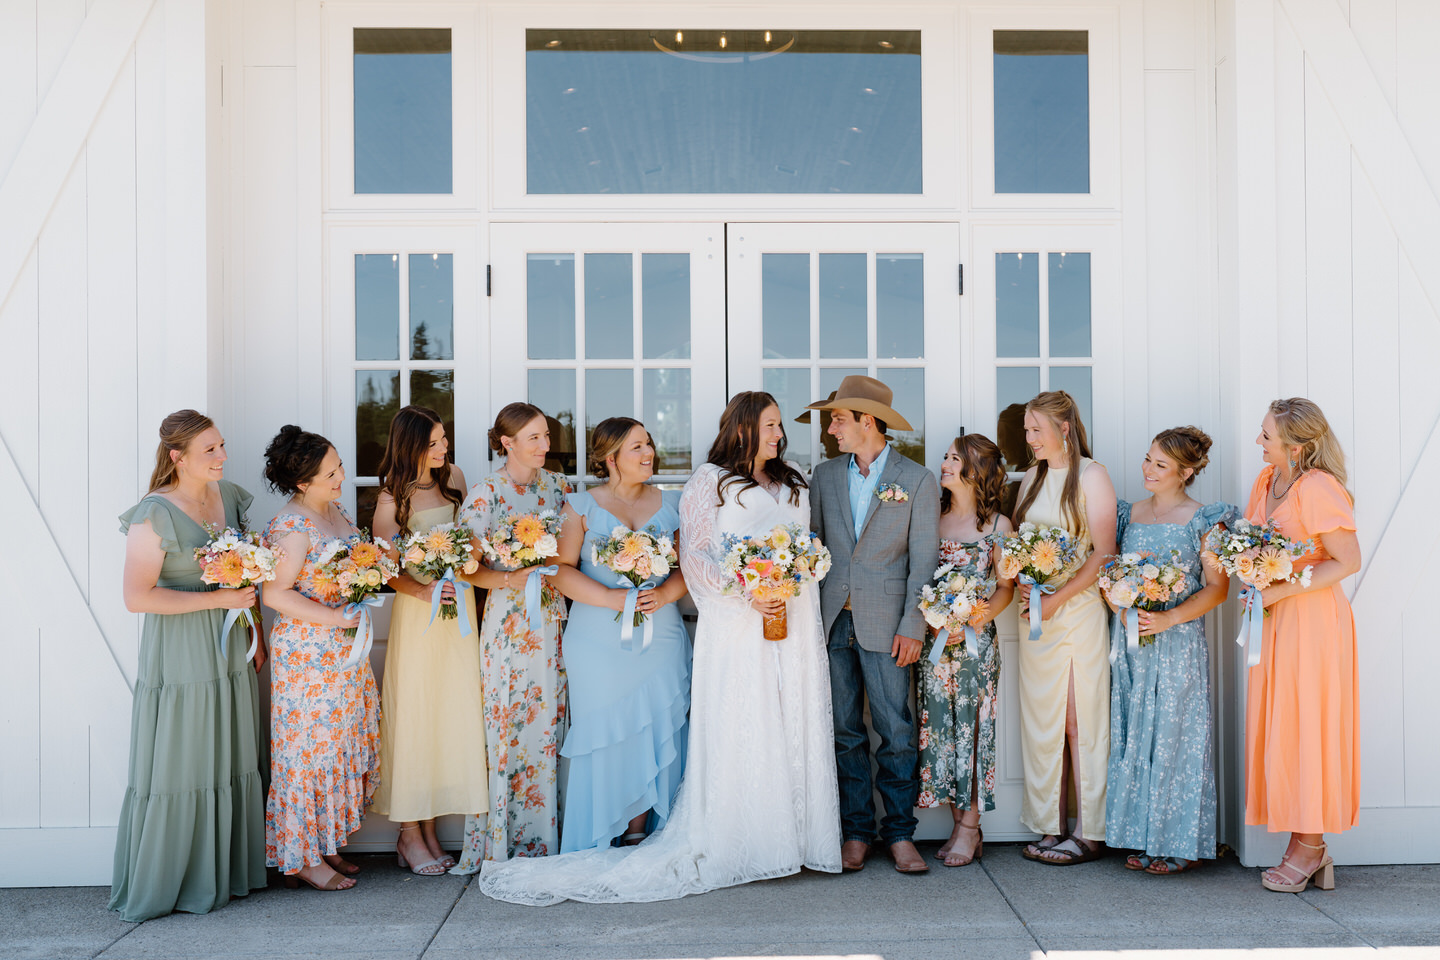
550 306
554 392
908 383
785 305
722 111
403 128
1076 382
365 499
842 305
900 305
1014 387
667 417
377 400
1017 305
377 306
830 378
791 389
609 306
436 389
665 305
1069 310
608 393
1042 111
432 306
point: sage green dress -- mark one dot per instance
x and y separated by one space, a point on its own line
192 825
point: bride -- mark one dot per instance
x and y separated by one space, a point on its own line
759 799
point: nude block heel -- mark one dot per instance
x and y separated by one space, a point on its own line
1325 879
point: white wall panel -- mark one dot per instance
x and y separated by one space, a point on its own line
1417 35
56 23
152 368
1170 34
17 78
1422 665
1373 23
269 33
1293 376
1420 387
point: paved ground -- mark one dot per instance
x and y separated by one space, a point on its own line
1005 907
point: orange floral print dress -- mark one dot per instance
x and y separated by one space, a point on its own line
324 727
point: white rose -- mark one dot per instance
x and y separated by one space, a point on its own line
546 546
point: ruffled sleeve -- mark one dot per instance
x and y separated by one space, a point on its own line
1122 520
700 541
1323 505
156 511
242 499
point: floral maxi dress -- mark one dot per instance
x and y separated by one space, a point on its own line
523 691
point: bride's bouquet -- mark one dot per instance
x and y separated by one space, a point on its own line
1258 556
524 541
1138 580
775 567
235 559
956 603
354 569
1037 556
436 555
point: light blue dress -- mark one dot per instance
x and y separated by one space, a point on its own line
628 708
1161 778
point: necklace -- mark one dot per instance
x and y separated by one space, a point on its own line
516 483
202 505
427 486
1281 494
1158 516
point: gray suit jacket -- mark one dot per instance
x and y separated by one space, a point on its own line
883 573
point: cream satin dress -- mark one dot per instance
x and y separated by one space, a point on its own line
1078 638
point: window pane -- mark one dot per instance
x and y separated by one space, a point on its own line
900 305
908 383
609 306
1076 382
1014 387
377 306
550 306
1042 111
791 389
554 392
842 305
377 400
785 304
1069 304
402 111
665 305
365 499
436 389
830 378
667 416
1017 305
723 111
608 393
432 306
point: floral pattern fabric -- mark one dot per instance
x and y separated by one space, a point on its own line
524 693
324 723
957 707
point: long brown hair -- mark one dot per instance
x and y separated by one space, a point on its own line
982 466
1059 408
176 432
406 449
1299 422
737 444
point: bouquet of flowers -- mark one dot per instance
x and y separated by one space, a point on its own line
775 567
1037 556
1258 556
354 569
523 539
955 604
236 559
436 555
634 556
1140 580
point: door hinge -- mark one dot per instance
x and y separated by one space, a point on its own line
487 279
962 279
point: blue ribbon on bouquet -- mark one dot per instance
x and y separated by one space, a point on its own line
364 637
972 644
1132 633
251 622
460 610
533 595
1036 589
627 616
1252 626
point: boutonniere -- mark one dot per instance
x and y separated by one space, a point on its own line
892 493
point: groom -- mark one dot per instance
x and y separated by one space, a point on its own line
878 511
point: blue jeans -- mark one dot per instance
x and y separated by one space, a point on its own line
855 674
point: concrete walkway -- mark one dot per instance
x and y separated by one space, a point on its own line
1005 907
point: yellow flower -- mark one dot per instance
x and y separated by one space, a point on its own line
1044 557
365 554
528 529
1274 564
438 541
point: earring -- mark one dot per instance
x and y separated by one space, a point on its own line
1066 442
1292 463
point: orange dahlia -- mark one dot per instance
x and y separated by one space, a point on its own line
365 554
529 530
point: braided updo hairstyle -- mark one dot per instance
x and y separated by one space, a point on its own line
293 458
1189 447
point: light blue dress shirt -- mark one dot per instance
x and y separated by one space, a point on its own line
863 488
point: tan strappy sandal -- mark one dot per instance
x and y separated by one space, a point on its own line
1323 875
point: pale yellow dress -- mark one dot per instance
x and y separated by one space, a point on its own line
1077 637
432 725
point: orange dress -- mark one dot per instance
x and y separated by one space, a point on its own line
1302 728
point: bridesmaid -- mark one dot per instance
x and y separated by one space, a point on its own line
324 731
1161 794
524 681
1065 673
957 697
628 707
432 727
190 835
1302 738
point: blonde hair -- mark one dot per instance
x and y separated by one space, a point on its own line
1300 423
1059 408
1189 447
176 433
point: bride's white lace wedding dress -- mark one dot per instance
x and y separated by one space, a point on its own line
759 798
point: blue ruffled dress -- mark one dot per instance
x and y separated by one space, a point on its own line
1161 777
628 708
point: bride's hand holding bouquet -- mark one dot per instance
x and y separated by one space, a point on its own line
770 570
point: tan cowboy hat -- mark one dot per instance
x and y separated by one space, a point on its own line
865 395
805 417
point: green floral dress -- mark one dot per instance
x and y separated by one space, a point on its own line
523 689
957 707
